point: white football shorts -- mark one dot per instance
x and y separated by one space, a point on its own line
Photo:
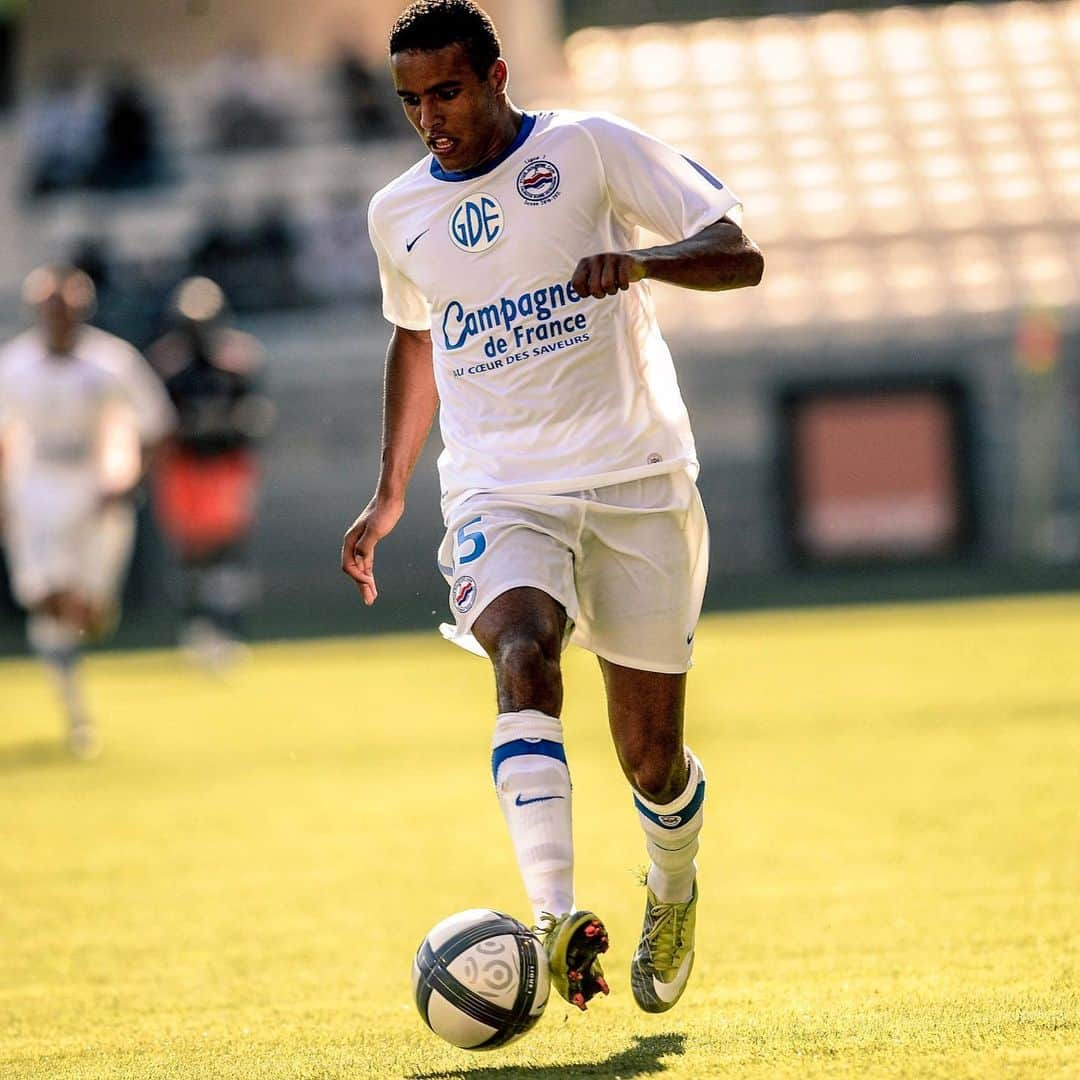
628 562
61 545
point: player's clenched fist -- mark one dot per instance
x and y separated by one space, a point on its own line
607 273
358 548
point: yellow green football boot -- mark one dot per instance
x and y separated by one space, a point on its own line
573 944
664 959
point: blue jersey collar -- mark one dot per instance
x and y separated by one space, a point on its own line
528 122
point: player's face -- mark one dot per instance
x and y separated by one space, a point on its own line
459 115
61 301
60 316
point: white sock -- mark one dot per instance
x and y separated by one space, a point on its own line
532 781
57 645
671 837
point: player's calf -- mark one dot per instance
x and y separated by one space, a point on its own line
664 958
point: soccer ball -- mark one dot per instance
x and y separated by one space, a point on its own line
480 979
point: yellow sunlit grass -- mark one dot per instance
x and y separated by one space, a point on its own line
889 865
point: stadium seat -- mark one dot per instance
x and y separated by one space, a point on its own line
911 150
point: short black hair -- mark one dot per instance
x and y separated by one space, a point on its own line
428 25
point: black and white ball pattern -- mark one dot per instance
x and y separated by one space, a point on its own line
480 979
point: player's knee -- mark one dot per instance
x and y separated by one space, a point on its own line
524 655
656 774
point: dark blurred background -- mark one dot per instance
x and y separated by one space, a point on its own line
892 413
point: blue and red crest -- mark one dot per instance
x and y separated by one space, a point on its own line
463 593
538 182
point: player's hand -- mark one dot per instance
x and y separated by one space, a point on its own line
606 274
358 548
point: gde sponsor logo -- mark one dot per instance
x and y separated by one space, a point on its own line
477 222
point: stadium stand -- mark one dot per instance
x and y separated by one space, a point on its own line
924 161
159 224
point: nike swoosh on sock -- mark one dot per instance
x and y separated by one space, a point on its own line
519 801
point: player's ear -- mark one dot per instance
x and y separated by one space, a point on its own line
499 76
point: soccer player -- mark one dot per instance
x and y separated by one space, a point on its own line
80 416
522 312
206 484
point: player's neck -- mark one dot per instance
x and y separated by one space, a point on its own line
60 346
504 133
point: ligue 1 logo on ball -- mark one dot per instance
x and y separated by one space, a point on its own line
538 182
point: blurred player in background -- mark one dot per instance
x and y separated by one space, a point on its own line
81 416
509 270
207 481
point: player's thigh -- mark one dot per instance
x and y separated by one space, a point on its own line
110 540
43 554
493 548
641 577
520 616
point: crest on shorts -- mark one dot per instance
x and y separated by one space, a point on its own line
463 594
671 820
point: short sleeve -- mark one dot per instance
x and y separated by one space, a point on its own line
403 303
155 416
5 395
8 387
655 187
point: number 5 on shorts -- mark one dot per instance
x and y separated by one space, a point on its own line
479 544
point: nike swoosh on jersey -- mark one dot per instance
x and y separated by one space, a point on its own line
669 991
410 244
519 801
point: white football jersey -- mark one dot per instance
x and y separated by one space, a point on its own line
74 423
153 412
541 389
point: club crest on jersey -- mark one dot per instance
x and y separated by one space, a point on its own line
538 182
477 222
463 594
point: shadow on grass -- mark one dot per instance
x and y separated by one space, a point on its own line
39 754
641 1059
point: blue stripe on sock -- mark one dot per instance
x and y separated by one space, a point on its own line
674 821
520 747
61 658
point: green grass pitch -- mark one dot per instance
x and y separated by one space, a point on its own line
890 869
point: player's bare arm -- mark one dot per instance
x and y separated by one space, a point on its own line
152 453
409 404
718 258
149 453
